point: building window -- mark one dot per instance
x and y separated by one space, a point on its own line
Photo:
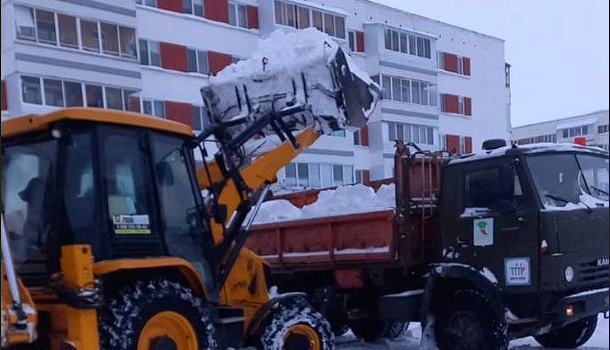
154 107
67 31
45 27
197 61
357 138
408 90
340 133
73 93
128 42
150 53
110 39
351 40
407 43
200 118
295 16
24 23
94 96
507 75
30 87
53 94
89 36
114 98
317 175
602 129
237 15
420 134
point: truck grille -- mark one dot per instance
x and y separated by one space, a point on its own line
590 272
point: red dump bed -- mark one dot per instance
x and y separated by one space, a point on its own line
406 235
329 241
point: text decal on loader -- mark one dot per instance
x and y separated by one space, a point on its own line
517 271
131 224
483 232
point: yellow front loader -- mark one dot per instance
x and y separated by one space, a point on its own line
111 245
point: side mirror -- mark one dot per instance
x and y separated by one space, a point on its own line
165 175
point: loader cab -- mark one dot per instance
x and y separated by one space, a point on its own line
128 191
526 214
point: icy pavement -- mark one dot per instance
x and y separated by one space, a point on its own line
410 341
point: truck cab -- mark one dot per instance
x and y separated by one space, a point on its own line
532 224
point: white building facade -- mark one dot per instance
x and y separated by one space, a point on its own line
590 129
445 87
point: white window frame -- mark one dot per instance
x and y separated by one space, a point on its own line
236 6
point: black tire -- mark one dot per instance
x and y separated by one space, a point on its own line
569 336
126 313
395 329
368 329
469 322
289 313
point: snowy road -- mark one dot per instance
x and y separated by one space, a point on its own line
599 341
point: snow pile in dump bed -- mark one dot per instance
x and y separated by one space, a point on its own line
340 201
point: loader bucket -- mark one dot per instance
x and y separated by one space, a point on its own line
301 68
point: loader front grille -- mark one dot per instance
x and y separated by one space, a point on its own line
591 272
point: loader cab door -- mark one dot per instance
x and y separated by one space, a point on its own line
496 222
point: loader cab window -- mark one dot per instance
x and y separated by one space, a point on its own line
179 208
28 193
126 183
79 193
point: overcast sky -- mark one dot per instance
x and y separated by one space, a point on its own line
558 49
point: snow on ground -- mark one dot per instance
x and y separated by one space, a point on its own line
343 200
410 341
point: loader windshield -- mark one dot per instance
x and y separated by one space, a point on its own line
28 175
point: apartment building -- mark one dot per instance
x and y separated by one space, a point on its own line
590 129
444 87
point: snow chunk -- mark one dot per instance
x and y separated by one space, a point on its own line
474 211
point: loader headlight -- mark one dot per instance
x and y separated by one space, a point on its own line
569 274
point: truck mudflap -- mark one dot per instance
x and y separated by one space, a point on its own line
402 307
582 305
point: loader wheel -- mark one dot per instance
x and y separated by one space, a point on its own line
469 322
569 336
295 325
395 329
155 315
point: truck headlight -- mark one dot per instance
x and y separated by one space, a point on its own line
569 274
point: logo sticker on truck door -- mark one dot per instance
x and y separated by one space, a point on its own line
483 232
517 271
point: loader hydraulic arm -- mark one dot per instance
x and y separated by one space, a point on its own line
261 171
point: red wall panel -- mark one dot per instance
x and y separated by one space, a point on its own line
467 106
171 5
133 104
179 112
468 144
466 61
453 143
173 56
218 61
359 41
4 102
217 10
364 136
450 62
252 17
366 177
451 103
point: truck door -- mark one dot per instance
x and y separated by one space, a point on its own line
497 222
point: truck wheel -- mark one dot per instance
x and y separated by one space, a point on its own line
395 329
295 325
368 329
155 315
470 323
569 336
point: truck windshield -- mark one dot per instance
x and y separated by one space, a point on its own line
28 173
563 180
